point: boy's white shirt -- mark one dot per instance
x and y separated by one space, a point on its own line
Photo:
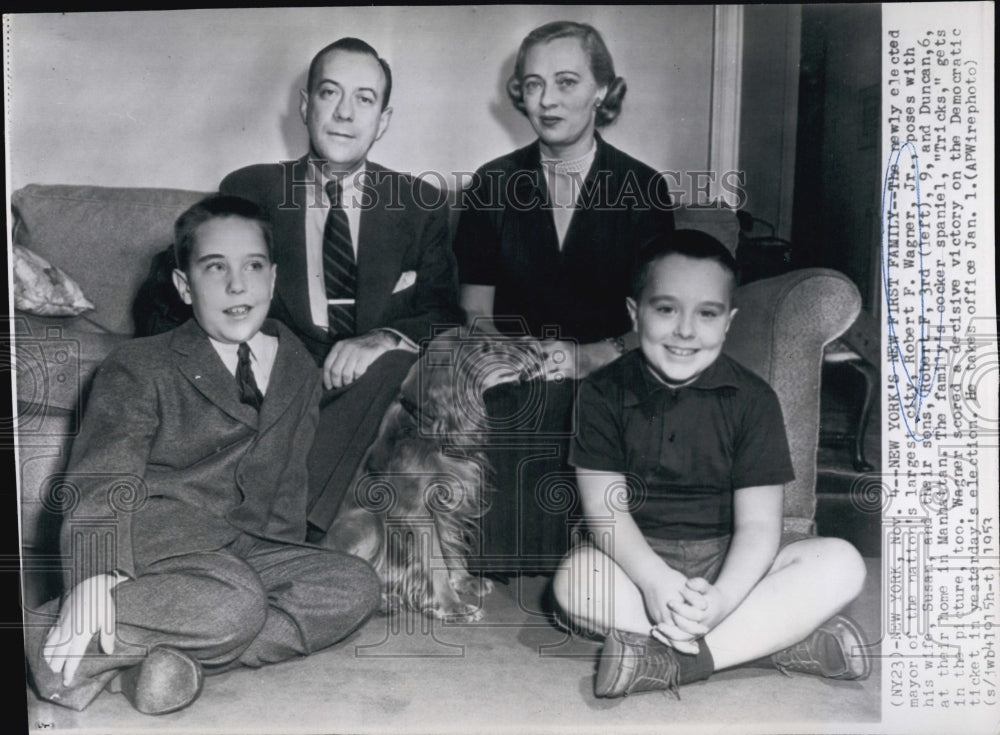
263 350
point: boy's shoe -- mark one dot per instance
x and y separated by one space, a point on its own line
836 650
635 663
166 681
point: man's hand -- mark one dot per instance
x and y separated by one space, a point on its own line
88 610
351 357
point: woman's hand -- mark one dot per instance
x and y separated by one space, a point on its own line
568 360
560 359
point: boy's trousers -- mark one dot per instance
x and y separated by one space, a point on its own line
251 603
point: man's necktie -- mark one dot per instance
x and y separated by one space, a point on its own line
249 392
339 267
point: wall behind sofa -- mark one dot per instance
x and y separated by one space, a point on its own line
180 98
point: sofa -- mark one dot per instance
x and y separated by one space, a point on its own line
105 238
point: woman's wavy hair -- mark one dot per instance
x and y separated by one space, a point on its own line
601 66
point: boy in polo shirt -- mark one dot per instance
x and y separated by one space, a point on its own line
681 455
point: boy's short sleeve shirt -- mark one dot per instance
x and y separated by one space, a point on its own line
685 451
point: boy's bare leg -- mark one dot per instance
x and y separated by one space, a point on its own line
597 594
809 581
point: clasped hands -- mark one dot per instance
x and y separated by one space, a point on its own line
684 610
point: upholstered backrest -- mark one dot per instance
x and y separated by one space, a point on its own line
105 237
102 237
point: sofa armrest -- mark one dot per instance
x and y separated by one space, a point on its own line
55 359
780 330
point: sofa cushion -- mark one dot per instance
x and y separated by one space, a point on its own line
102 237
42 288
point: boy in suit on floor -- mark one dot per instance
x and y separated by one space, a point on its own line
200 564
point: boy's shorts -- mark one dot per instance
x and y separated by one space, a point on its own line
704 557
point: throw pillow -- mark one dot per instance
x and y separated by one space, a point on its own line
43 289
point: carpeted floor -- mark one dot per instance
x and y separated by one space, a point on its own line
512 672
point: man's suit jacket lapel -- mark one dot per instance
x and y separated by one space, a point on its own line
290 201
201 365
381 245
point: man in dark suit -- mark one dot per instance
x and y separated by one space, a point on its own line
365 267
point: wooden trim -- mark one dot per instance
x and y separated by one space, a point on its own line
727 83
789 137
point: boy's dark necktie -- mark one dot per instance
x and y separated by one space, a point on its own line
249 392
340 270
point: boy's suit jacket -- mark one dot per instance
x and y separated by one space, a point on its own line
168 461
404 230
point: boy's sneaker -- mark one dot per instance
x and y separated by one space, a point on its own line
635 663
836 650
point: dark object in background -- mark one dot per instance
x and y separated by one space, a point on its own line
158 307
760 256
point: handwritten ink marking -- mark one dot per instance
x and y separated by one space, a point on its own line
919 384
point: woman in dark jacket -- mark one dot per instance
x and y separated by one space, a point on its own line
545 245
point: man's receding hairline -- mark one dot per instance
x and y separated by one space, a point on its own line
322 60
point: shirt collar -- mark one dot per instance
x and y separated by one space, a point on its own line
349 185
257 345
641 384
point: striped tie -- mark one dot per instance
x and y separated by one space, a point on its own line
340 272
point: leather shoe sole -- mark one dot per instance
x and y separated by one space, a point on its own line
166 681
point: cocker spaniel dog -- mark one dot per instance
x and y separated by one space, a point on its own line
414 507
